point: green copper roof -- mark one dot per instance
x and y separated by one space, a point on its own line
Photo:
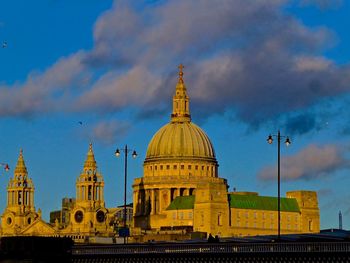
263 203
182 202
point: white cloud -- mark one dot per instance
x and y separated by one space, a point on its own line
44 92
312 162
305 63
114 91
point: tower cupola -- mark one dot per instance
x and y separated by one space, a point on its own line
20 189
90 183
90 162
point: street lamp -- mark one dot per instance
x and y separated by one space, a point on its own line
134 155
287 142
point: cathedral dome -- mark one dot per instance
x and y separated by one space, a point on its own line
180 147
180 140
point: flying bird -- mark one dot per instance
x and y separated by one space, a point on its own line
4 44
80 122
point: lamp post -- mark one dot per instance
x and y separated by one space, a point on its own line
117 154
287 142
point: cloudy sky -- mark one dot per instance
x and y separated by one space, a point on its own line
74 72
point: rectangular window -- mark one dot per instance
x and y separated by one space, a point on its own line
175 167
255 215
196 167
161 167
189 167
263 215
181 215
182 167
190 215
168 167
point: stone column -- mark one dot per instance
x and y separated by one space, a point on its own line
134 202
24 197
160 200
153 210
32 197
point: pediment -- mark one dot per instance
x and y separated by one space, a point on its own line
39 228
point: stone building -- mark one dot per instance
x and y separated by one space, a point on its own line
181 189
63 216
20 216
81 218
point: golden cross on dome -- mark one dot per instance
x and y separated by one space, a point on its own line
181 73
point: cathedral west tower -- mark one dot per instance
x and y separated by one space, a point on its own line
20 211
89 216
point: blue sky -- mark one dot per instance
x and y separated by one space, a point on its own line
251 68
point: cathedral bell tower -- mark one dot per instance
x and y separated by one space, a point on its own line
20 210
90 184
89 216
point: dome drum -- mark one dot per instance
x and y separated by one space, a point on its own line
172 168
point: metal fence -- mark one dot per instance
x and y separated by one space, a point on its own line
240 248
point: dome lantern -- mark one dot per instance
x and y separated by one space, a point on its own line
181 102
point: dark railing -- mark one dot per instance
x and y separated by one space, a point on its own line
293 247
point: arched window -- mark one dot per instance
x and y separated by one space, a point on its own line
219 219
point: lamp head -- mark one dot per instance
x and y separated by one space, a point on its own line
117 153
288 142
134 154
269 139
